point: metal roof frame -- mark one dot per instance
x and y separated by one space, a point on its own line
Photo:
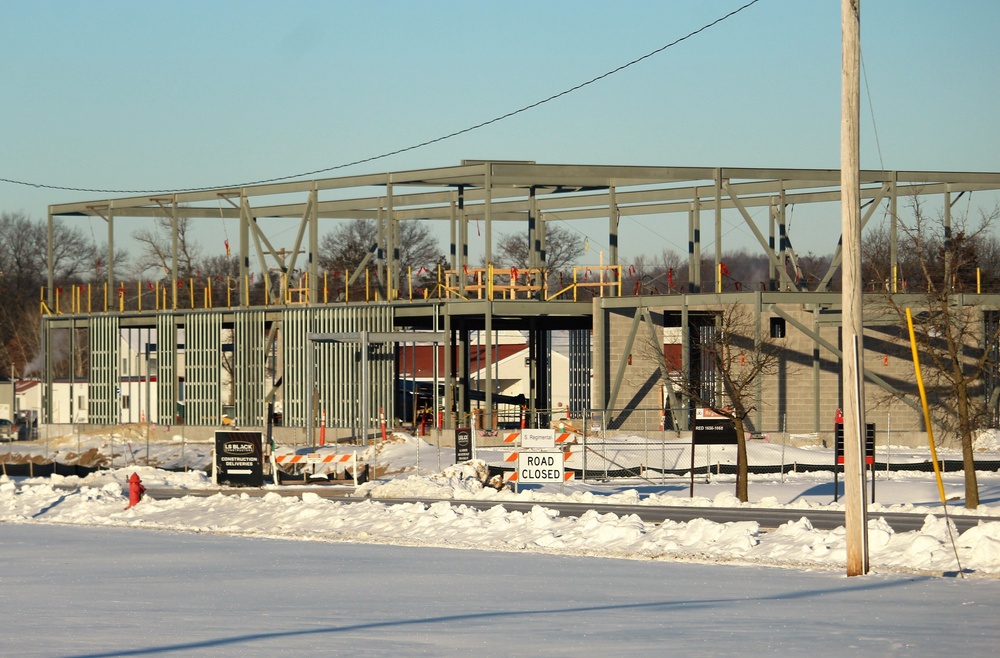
511 191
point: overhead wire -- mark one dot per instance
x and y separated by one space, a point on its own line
871 109
405 149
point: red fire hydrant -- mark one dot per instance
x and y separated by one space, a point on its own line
135 490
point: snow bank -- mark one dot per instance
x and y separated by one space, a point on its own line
310 517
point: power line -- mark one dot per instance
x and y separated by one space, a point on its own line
406 148
871 109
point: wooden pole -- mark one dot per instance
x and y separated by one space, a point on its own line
855 512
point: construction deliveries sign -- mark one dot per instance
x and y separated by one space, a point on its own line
239 459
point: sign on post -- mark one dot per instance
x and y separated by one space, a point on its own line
239 459
838 448
463 444
543 438
711 428
538 467
838 454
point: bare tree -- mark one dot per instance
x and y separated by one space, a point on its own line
157 249
562 248
956 342
344 248
655 275
23 273
740 353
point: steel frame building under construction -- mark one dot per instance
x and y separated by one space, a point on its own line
292 341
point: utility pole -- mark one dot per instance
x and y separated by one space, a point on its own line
855 512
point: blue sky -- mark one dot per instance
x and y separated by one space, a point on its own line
165 95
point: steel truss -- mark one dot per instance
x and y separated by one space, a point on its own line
494 191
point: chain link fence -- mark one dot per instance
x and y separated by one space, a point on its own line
643 444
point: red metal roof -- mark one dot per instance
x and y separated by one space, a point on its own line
421 358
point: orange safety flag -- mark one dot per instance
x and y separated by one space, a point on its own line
227 248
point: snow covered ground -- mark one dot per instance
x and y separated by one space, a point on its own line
242 575
85 591
97 500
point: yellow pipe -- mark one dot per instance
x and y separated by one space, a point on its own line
326 284
89 306
978 282
923 400
229 292
138 295
191 291
105 298
409 279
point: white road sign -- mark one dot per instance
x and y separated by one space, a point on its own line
544 438
541 467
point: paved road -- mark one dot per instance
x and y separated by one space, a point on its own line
767 518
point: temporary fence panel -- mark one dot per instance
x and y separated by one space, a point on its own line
249 377
336 372
103 382
203 368
579 370
166 364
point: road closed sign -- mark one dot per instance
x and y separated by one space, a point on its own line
541 467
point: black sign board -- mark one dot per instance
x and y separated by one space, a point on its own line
714 431
239 459
463 444
838 448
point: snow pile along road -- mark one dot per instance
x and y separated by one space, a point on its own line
310 517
